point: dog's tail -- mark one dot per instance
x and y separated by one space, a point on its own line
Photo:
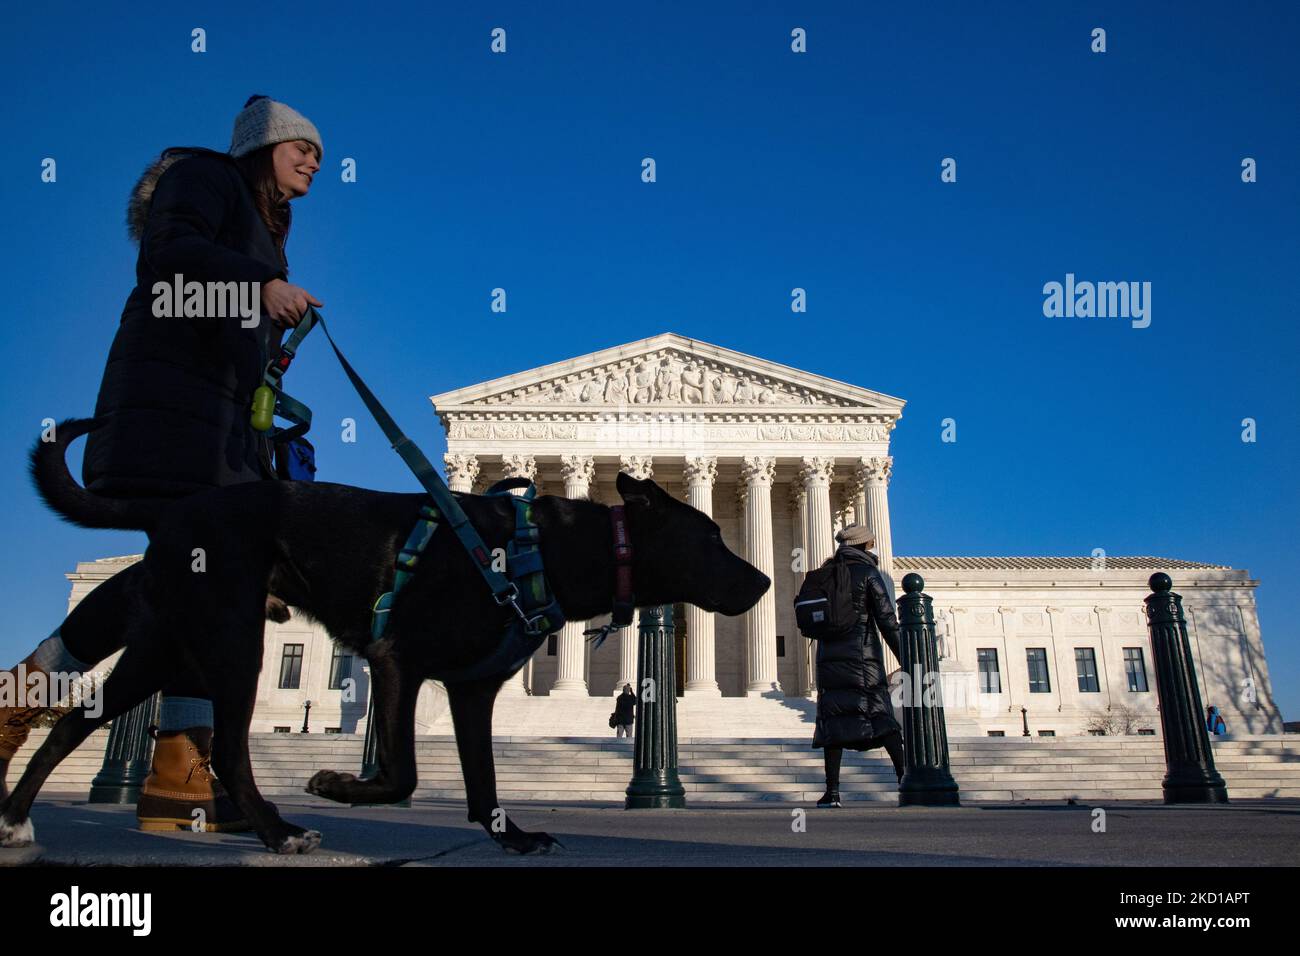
55 484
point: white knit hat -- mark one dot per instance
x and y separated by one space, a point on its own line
856 534
264 121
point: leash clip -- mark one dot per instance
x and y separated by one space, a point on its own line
509 596
535 626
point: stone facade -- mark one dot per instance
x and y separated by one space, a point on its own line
781 459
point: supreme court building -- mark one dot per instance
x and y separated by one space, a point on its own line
782 458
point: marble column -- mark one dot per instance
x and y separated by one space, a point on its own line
518 466
855 493
875 474
757 473
815 479
802 648
578 471
639 467
815 476
870 503
700 474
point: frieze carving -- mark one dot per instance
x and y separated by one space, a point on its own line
665 377
540 430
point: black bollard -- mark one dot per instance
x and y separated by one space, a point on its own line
927 781
655 784
370 756
1190 776
128 755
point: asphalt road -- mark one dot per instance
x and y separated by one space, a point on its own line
436 833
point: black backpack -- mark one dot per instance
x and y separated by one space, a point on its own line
823 608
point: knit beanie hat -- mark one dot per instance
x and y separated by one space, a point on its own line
264 122
856 535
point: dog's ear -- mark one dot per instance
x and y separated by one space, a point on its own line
636 491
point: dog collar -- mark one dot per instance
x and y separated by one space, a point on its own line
624 600
624 603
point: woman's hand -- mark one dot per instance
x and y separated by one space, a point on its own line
286 303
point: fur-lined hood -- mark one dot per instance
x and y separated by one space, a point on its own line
137 206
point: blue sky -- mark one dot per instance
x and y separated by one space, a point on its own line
775 170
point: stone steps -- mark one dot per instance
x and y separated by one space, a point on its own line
739 770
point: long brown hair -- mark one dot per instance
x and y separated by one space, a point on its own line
259 172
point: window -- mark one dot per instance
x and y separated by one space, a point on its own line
279 730
1085 662
1096 733
1136 670
340 668
990 678
780 645
552 644
1039 682
333 730
1146 732
1047 733
291 667
997 733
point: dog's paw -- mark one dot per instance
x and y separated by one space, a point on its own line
522 843
332 785
14 835
303 842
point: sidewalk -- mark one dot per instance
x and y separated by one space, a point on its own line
436 833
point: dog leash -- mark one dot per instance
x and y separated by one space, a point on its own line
537 621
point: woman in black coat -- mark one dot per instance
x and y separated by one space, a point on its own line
175 400
853 705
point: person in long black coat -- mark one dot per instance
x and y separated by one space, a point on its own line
853 706
625 712
175 399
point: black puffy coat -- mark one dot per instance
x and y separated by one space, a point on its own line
625 708
176 393
853 706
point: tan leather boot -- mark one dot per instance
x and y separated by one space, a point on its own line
16 721
181 782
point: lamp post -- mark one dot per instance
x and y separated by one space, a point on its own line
306 714
1190 776
927 780
1024 720
128 755
655 784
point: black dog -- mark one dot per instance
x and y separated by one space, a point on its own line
328 550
